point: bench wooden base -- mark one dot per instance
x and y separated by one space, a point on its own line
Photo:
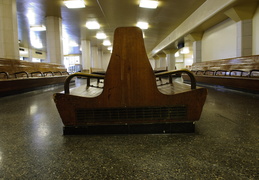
14 86
165 128
241 83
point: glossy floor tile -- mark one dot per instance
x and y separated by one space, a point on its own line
225 145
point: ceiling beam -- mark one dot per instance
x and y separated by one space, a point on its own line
206 11
242 12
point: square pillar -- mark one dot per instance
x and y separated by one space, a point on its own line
8 30
244 38
54 40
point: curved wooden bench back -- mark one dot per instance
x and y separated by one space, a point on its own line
129 89
129 71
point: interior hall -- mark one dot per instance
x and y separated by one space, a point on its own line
132 89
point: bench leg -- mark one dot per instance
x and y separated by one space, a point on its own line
88 82
170 79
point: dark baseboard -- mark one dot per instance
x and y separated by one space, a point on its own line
164 128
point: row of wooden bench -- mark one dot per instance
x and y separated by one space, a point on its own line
18 76
12 68
234 72
241 72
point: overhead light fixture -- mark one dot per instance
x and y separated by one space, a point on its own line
35 40
101 35
151 4
38 28
106 43
110 49
143 34
73 44
92 25
73 4
31 16
176 54
142 25
185 50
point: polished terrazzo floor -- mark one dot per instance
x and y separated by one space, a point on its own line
225 145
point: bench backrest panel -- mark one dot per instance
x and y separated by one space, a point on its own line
129 71
242 63
12 66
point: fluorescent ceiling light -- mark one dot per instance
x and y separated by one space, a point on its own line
185 50
38 28
176 54
35 40
101 35
92 25
31 16
142 25
73 44
106 43
110 48
72 4
151 4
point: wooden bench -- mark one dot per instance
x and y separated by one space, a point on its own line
18 76
99 71
160 69
130 101
12 68
239 73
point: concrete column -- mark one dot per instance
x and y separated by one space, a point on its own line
100 59
170 59
157 62
197 42
243 15
105 60
8 30
54 40
86 54
30 53
152 62
162 59
244 38
197 51
94 56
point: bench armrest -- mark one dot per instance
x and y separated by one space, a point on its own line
170 73
37 72
88 76
21 72
48 72
236 70
251 72
58 72
6 74
223 71
209 71
65 72
199 71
